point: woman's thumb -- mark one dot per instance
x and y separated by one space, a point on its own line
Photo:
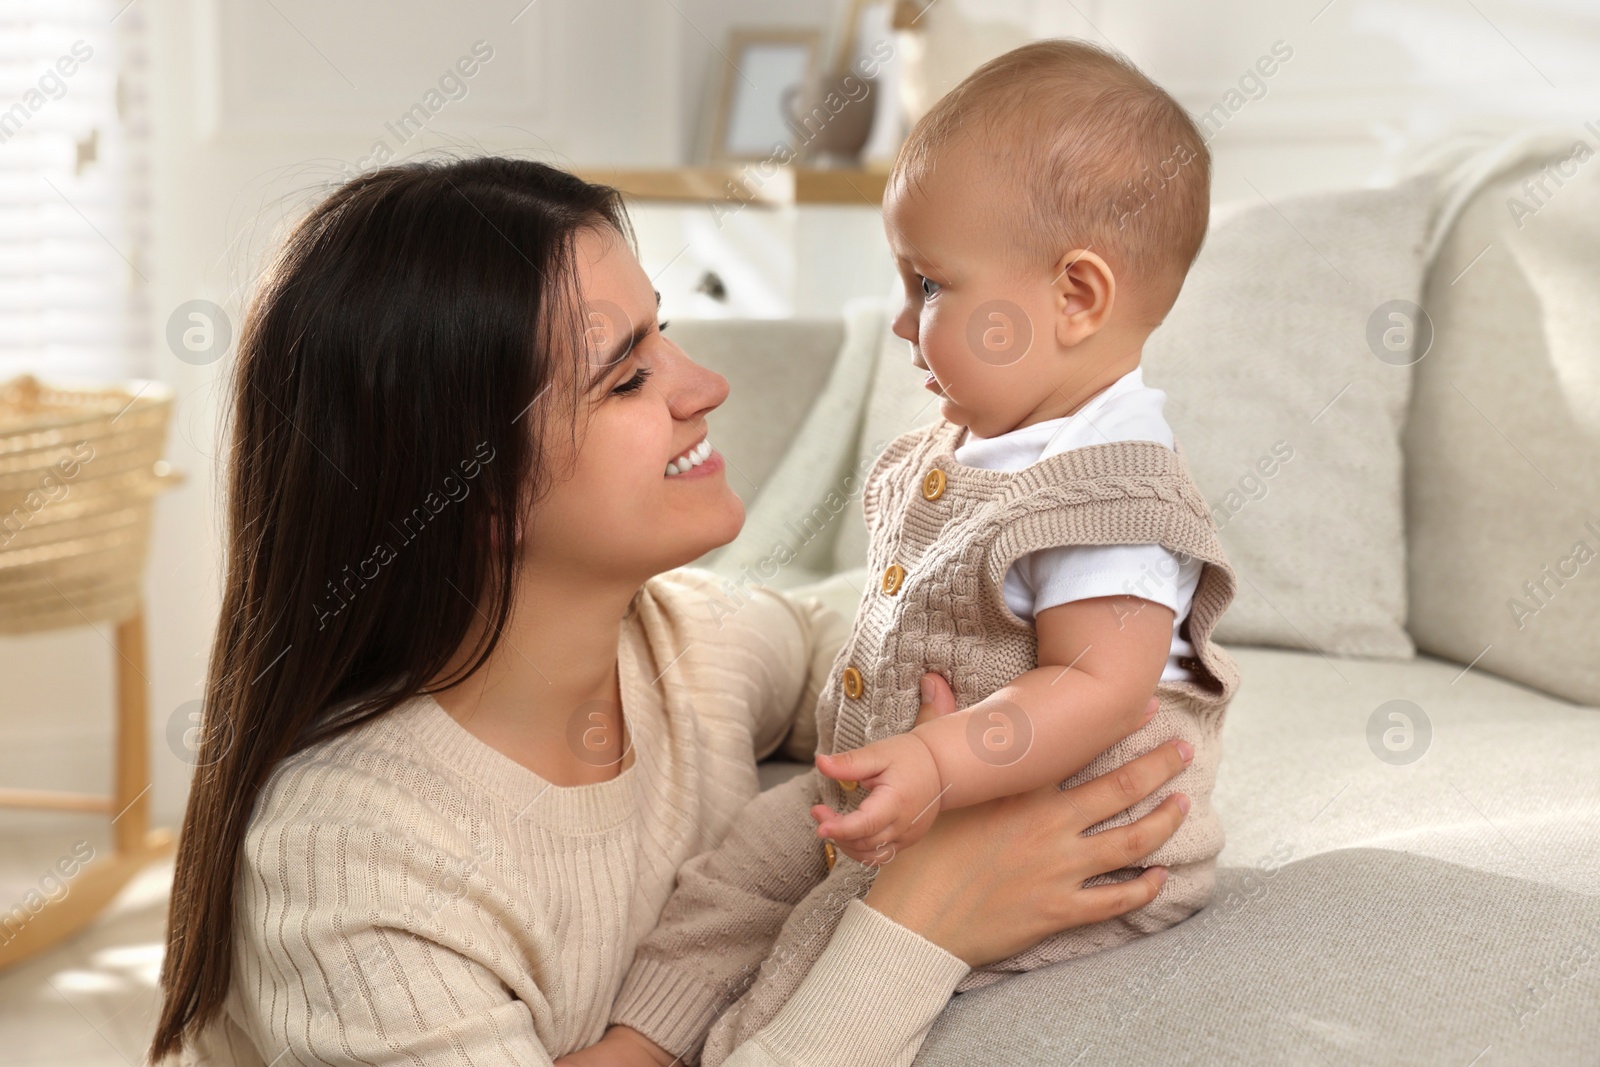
937 699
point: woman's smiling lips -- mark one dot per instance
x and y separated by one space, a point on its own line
696 462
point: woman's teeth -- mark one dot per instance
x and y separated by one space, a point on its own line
690 459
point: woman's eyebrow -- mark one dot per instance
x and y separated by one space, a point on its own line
625 346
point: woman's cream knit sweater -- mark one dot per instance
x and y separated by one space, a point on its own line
409 895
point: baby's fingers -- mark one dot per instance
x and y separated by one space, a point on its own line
853 766
828 822
875 814
869 856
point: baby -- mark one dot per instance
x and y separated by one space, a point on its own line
1041 545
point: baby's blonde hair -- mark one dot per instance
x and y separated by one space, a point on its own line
1101 158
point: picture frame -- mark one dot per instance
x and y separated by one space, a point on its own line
766 68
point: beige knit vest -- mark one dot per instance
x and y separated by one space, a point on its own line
952 532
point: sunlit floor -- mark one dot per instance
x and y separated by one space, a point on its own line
91 1001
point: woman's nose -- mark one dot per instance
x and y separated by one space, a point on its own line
696 390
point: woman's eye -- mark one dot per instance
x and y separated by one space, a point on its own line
640 376
929 287
634 384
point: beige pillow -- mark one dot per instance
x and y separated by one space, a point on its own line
1290 422
1503 488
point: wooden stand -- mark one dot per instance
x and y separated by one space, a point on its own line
134 845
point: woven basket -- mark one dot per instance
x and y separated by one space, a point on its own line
80 465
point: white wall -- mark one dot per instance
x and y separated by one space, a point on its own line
255 108
256 103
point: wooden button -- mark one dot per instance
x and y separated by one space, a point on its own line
852 682
893 575
829 853
849 787
933 484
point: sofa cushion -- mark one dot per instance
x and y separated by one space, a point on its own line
1503 487
1266 355
793 511
1360 956
1418 755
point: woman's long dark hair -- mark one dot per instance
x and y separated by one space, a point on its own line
402 363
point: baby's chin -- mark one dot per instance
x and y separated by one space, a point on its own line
953 412
976 427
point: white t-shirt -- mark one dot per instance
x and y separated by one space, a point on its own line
1126 410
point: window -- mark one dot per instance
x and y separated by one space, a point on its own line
73 259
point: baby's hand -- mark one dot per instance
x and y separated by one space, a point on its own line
904 786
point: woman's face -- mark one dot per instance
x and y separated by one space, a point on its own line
645 492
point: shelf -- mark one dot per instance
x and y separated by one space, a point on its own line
737 182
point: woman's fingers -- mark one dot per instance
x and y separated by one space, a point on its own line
856 764
1127 846
1120 789
1101 902
937 699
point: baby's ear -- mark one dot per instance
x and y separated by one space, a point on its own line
1086 291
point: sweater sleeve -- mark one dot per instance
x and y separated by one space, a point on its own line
722 919
868 1001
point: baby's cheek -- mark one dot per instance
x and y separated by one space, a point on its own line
943 347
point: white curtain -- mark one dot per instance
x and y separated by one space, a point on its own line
74 258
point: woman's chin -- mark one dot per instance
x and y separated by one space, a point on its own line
729 523
713 528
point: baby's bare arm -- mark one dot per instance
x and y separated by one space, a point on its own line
1099 661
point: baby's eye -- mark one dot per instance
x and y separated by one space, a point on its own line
929 287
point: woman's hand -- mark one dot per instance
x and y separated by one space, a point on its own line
622 1046
995 878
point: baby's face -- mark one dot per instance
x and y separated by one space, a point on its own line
981 324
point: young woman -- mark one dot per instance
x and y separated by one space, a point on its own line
466 718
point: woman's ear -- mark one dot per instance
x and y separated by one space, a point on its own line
492 532
1084 292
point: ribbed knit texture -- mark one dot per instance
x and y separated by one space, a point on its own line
408 894
949 616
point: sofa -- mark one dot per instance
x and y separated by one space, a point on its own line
1391 399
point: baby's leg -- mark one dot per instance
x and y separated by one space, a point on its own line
1189 855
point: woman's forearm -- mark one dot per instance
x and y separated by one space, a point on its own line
869 999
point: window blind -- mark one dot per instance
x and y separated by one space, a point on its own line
72 276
